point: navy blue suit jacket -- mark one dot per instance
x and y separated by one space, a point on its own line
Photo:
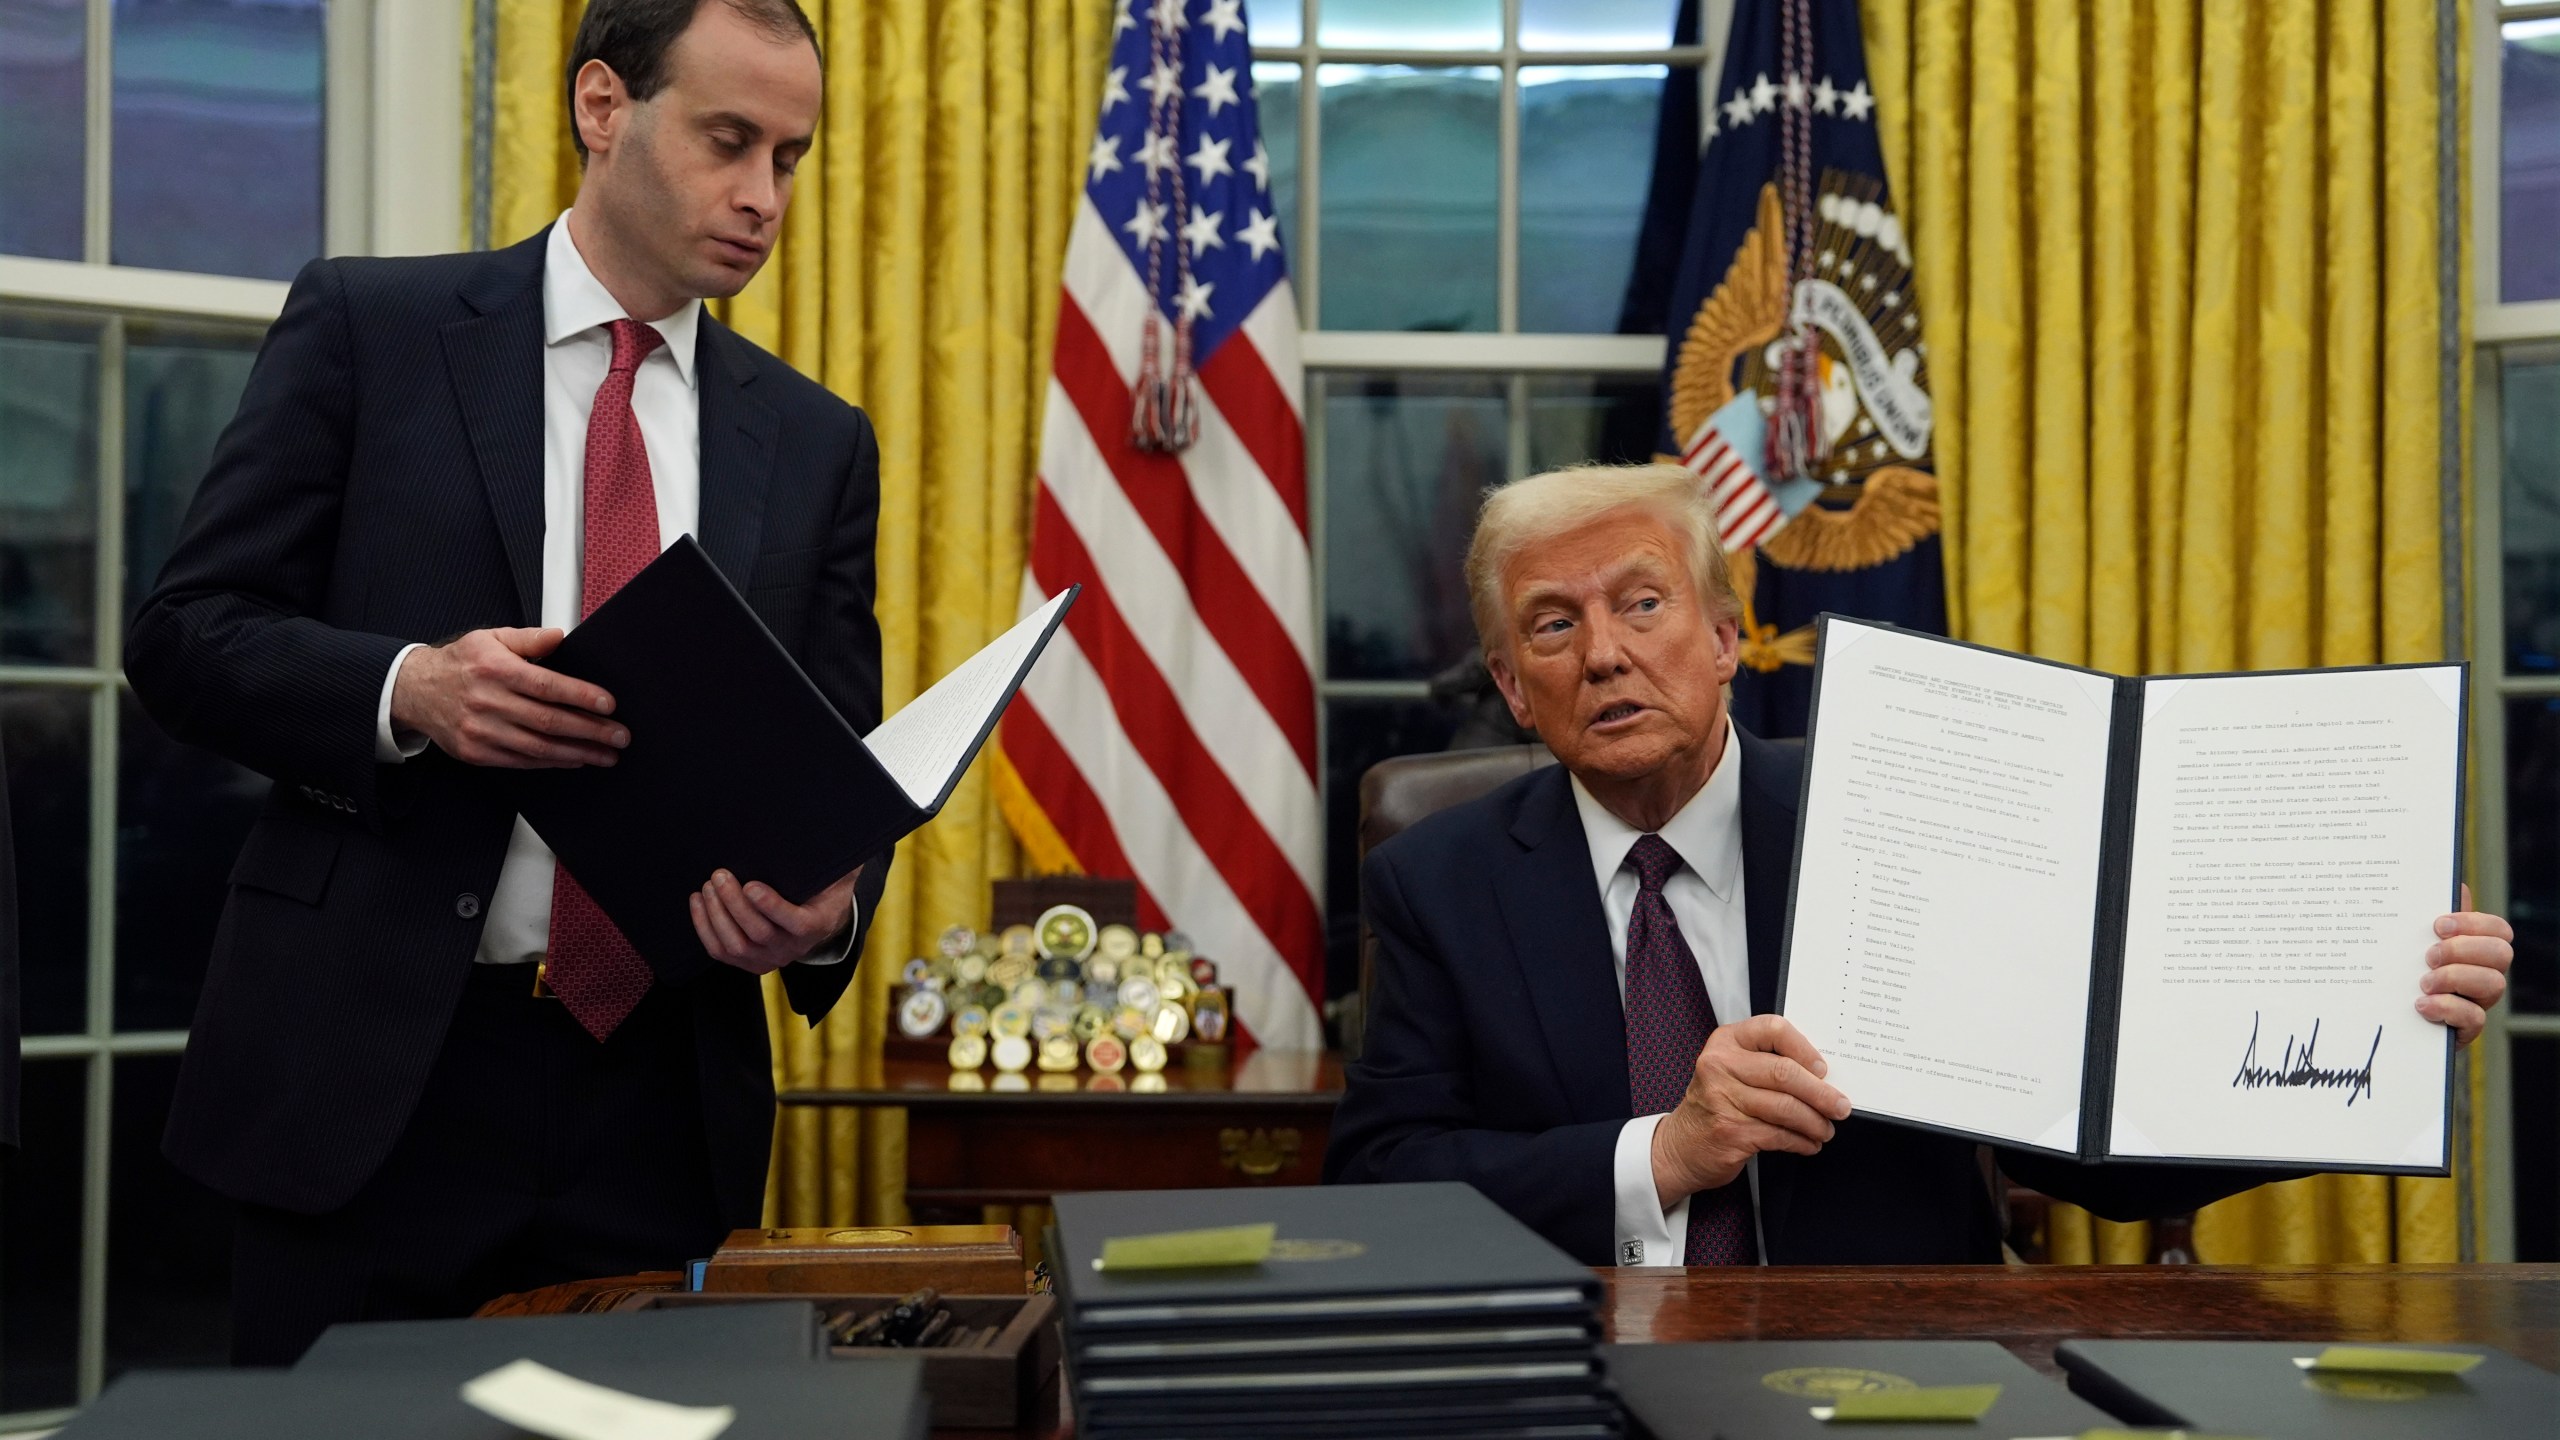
1496 1049
382 483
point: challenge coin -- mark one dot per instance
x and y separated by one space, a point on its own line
968 1052
1105 1053
1012 1053
1066 932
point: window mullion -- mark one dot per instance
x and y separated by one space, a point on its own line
1506 265
98 183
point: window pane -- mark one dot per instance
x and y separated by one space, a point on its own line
1410 24
1405 460
1275 101
44 59
1586 162
2535 1060
168 1238
1596 24
181 385
1359 734
2529 417
45 730
2529 162
2533 851
1410 185
1276 22
48 489
1574 419
217 135
181 814
40 1240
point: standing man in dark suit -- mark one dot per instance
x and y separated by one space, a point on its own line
427 1066
1555 958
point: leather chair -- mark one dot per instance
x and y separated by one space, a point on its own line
1398 792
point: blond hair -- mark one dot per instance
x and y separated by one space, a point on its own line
1515 515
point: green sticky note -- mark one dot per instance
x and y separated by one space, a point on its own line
1188 1249
1927 1402
2375 1359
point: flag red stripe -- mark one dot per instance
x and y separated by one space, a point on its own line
1059 788
1229 606
1245 391
1151 716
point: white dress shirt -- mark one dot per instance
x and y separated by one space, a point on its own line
1705 895
577 351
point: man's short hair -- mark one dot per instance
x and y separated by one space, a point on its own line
1517 514
633 37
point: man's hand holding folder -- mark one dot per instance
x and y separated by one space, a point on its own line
482 700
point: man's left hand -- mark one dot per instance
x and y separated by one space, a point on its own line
2466 970
752 927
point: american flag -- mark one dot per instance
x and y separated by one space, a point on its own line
1170 732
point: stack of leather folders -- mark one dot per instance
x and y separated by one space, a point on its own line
1408 1310
404 1380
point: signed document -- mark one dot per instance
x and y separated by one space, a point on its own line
2175 918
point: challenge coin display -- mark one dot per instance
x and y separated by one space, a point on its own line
1061 995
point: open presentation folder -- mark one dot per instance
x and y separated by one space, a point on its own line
738 762
2180 918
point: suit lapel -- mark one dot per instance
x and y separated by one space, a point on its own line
1560 938
494 361
1768 866
738 432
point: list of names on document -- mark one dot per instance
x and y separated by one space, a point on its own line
1951 832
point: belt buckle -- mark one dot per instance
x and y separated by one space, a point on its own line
542 980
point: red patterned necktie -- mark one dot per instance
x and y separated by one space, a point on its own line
1668 1020
593 969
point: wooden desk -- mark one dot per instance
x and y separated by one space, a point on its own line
1262 1122
2028 1309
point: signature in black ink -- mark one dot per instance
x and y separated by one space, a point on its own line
2297 1071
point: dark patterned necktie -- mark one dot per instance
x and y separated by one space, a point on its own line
1668 1020
593 969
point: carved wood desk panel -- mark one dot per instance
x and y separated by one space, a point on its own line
1263 1122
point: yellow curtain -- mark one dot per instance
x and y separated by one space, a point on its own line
917 277
2179 264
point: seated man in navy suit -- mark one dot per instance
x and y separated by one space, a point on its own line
1576 973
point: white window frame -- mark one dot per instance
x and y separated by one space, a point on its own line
1505 351
391 184
2500 331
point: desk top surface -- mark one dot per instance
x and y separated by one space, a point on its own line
2031 1309
1274 1078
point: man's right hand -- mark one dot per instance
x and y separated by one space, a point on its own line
482 700
1757 1086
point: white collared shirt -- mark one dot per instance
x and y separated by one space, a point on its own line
1705 896
577 350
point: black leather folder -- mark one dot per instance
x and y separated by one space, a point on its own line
696 1335
736 761
1408 1255
794 1400
2253 1387
1766 1390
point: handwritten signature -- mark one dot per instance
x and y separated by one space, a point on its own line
2299 1072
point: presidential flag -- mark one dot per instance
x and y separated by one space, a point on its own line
1797 383
1169 734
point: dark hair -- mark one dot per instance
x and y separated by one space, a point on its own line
632 38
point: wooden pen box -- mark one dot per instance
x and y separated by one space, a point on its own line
1002 1385
866 1260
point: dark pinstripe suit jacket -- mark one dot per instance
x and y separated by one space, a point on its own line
382 483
